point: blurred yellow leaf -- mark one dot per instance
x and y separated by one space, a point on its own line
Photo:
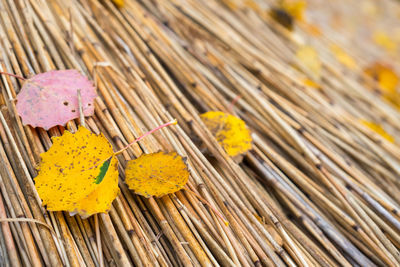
381 38
385 76
312 29
157 174
311 83
295 8
231 4
251 4
343 57
310 59
369 8
378 129
287 11
69 172
230 132
119 3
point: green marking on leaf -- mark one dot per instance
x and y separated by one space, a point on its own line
103 170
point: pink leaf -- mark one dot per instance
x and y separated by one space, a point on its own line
49 99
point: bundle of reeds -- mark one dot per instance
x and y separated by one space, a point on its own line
319 188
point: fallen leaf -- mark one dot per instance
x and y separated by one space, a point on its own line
156 174
252 4
50 99
378 129
343 57
119 3
381 38
385 76
230 132
312 29
311 83
370 8
69 173
231 4
295 8
310 60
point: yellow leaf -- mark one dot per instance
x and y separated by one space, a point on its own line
230 4
69 170
369 8
310 59
383 39
157 174
119 3
230 132
343 57
311 83
385 76
378 129
312 29
251 4
295 8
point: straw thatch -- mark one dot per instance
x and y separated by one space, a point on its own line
317 189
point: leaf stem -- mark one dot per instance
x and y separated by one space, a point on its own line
13 75
173 122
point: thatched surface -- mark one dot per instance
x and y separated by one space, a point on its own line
317 189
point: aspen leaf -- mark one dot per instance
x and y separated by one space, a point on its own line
385 76
382 39
251 4
312 29
369 8
72 176
231 4
387 80
378 129
230 132
119 3
295 8
310 60
49 99
343 57
311 83
156 174
288 11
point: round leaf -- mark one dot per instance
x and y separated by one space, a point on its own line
69 171
157 174
377 128
50 99
310 61
230 132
